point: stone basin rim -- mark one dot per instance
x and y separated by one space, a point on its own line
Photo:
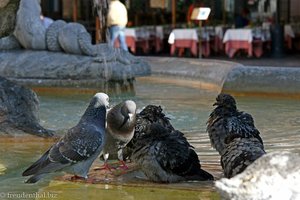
231 77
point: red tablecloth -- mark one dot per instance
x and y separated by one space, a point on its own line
192 45
256 47
232 46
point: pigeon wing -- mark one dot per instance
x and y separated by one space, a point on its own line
243 126
217 130
77 145
176 155
239 154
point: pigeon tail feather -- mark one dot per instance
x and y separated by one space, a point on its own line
201 175
39 164
35 178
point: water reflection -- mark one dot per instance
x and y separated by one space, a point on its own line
277 119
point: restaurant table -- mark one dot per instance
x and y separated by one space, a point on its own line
289 35
188 38
136 37
156 36
219 34
237 39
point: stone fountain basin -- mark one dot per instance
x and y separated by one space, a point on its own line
51 69
230 77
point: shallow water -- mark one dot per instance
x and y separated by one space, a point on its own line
277 119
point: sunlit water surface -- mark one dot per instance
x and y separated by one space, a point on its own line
188 108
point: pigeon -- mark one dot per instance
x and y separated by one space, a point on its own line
166 156
149 115
233 134
275 175
239 154
78 148
120 128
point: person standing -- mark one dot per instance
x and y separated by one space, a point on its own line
116 22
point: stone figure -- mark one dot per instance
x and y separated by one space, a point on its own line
19 110
29 29
40 49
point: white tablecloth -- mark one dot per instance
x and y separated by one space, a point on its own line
159 32
139 32
238 35
219 31
183 34
288 31
130 32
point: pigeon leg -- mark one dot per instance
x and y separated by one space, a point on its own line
123 165
121 160
105 165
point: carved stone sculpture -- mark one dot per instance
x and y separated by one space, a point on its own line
62 51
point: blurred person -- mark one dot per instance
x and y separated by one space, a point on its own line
242 19
116 21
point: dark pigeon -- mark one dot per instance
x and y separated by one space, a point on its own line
233 134
121 121
149 115
239 154
165 156
78 148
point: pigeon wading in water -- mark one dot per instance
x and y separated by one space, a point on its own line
78 148
233 134
149 115
121 121
167 157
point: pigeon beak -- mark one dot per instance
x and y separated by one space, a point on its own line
216 104
125 120
130 116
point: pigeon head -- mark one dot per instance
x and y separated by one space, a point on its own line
154 131
155 110
100 99
225 100
128 111
97 108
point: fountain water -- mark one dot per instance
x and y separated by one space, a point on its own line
187 106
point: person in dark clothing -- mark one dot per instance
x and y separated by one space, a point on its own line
242 19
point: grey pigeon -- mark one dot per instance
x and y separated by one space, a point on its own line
233 134
166 156
149 115
78 148
121 121
275 175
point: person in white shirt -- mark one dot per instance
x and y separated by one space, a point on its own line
116 22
